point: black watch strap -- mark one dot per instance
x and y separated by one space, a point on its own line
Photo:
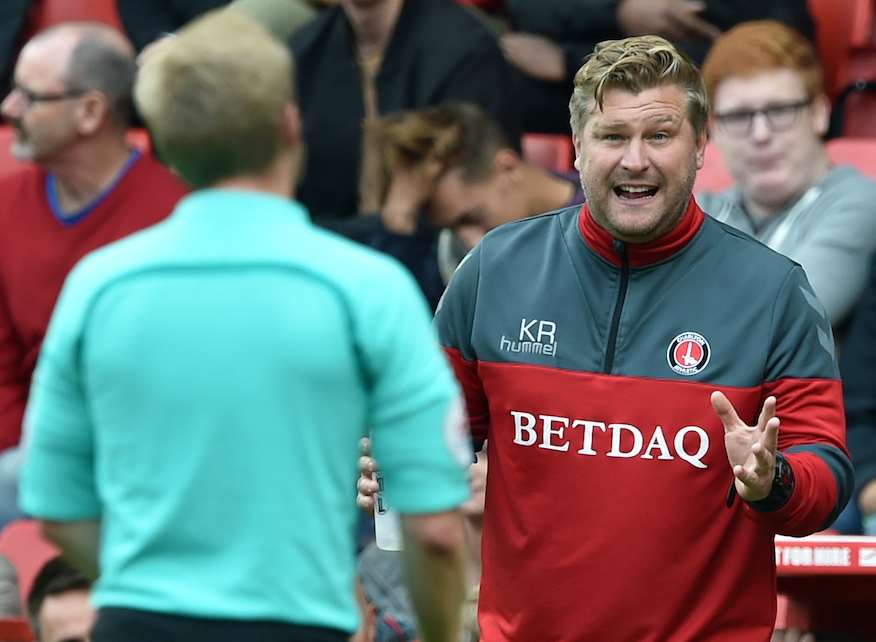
783 488
780 493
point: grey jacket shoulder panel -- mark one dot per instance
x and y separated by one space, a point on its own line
534 292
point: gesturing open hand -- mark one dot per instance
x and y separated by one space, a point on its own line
751 450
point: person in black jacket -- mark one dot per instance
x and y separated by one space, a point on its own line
13 18
858 368
144 22
549 39
364 59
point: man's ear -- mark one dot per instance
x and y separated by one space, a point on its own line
290 127
702 141
91 112
821 114
507 163
576 144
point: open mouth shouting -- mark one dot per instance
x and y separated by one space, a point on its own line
635 192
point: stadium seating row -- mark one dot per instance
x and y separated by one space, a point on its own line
846 34
45 13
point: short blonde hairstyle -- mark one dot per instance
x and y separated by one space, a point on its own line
634 65
213 97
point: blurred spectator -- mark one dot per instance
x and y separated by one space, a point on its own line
70 108
202 390
383 588
380 571
369 58
455 165
10 599
769 114
858 368
13 16
549 39
283 17
59 604
367 631
146 21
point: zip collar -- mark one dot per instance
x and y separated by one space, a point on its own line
641 254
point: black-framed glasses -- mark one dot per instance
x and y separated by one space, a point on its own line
779 117
32 97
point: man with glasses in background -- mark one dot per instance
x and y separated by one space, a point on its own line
770 112
82 188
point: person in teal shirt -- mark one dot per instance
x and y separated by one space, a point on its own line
193 427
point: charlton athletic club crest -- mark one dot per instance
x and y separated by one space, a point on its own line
688 353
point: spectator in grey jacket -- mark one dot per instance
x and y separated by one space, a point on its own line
769 114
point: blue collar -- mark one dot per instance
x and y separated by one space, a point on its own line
71 219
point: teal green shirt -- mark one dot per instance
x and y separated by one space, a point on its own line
202 390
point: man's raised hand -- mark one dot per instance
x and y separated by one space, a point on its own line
751 450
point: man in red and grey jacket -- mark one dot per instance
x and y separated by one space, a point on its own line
659 391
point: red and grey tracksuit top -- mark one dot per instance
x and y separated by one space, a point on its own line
588 365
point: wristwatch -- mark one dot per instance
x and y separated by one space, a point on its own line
780 493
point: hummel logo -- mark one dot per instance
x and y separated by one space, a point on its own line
535 337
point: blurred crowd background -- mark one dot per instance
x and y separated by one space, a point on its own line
427 123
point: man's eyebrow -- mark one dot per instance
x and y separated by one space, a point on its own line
664 119
614 124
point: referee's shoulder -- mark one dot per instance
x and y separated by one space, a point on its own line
354 266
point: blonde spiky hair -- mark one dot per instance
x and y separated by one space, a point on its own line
633 65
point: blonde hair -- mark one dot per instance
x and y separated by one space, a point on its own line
634 65
213 97
455 135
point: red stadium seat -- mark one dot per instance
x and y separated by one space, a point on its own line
553 152
139 138
714 176
842 27
846 31
8 164
858 152
47 13
852 115
15 630
23 545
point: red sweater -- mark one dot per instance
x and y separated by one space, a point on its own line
37 251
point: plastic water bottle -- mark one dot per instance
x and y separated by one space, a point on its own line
387 527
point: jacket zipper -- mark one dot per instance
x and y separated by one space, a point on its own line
621 248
